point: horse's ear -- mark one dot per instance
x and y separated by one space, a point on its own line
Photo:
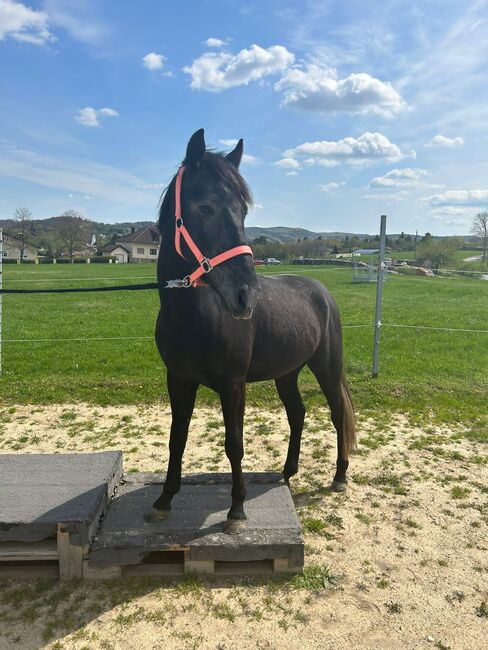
195 149
235 156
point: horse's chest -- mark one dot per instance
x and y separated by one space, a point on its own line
203 354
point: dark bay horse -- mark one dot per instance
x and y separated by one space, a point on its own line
237 327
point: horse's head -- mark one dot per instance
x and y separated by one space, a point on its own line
214 203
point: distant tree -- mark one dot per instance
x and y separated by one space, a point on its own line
23 217
74 230
480 230
335 250
439 253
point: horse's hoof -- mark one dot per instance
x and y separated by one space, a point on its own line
235 526
157 515
338 486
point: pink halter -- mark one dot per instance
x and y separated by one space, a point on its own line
205 264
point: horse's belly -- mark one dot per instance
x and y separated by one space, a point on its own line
285 350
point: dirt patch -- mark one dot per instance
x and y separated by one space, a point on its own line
406 546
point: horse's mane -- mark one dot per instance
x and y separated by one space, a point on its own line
227 175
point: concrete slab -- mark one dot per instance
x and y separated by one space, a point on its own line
196 522
40 491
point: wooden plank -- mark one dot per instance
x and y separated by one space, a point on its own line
28 572
26 551
145 570
101 573
70 557
200 566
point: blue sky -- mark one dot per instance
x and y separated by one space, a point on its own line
347 109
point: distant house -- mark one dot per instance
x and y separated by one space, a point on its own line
120 253
139 246
12 247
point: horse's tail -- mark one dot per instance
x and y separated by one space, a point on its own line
349 418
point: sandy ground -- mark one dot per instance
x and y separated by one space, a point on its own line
408 542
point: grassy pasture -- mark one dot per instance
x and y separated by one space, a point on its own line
437 373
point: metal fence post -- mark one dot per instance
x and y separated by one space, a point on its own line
379 294
1 294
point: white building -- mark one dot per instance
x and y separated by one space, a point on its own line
12 247
139 246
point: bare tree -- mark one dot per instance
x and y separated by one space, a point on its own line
480 230
23 217
73 230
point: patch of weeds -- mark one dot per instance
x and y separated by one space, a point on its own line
363 518
222 610
394 608
482 610
312 525
382 583
458 492
389 481
334 520
68 416
411 523
315 577
361 479
442 562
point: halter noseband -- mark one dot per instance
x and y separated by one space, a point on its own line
205 264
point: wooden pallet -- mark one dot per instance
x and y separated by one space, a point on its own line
51 506
47 558
192 539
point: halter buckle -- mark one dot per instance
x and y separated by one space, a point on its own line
179 222
183 283
206 266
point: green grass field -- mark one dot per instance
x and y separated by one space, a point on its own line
439 374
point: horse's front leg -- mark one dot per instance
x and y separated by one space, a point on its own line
182 395
232 398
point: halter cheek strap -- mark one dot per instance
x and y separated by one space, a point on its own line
205 264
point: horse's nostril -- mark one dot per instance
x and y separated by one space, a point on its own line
244 296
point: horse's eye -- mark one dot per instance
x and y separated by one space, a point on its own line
205 209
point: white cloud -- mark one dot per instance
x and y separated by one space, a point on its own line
450 221
406 177
250 160
291 173
219 71
231 142
76 176
246 157
109 112
327 187
443 141
153 61
80 19
214 42
316 88
23 23
459 197
367 149
287 163
387 197
88 116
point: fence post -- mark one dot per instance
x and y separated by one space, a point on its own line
1 294
379 295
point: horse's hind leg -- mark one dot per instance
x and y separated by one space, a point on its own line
290 396
182 396
327 368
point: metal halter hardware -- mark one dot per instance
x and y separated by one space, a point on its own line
205 264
